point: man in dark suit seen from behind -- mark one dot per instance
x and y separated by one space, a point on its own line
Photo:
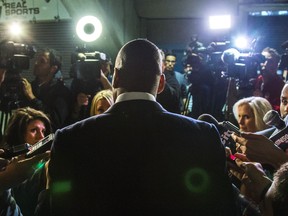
137 158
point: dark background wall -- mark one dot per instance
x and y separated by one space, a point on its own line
167 23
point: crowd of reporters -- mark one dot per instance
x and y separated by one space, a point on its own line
49 100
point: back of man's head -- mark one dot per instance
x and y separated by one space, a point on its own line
138 63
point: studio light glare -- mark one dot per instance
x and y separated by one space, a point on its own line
241 42
220 22
89 28
15 29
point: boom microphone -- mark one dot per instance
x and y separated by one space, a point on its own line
280 136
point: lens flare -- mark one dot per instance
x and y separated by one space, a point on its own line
197 180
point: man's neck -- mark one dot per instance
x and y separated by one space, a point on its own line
42 80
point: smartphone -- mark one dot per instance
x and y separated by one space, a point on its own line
232 145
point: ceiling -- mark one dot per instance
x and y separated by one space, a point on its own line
158 9
175 9
171 9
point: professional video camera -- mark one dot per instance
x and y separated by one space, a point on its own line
86 71
214 61
237 65
87 66
243 66
14 57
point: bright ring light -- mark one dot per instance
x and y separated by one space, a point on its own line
89 28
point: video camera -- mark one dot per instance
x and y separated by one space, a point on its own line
86 71
215 50
242 65
87 65
236 64
15 55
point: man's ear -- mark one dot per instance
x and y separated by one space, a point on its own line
161 83
115 81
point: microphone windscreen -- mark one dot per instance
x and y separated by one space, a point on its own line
272 118
225 134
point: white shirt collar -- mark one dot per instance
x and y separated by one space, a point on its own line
135 96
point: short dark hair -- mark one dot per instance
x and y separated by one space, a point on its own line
170 53
55 57
273 52
139 62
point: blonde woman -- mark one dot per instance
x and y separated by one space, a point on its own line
101 102
249 113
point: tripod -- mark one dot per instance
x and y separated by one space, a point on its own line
188 102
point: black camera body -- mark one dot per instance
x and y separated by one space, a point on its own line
86 71
15 56
243 66
87 66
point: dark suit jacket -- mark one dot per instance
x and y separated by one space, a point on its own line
138 159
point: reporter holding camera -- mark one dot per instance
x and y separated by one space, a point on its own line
48 93
14 171
84 91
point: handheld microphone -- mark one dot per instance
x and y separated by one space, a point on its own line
280 137
272 118
225 129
